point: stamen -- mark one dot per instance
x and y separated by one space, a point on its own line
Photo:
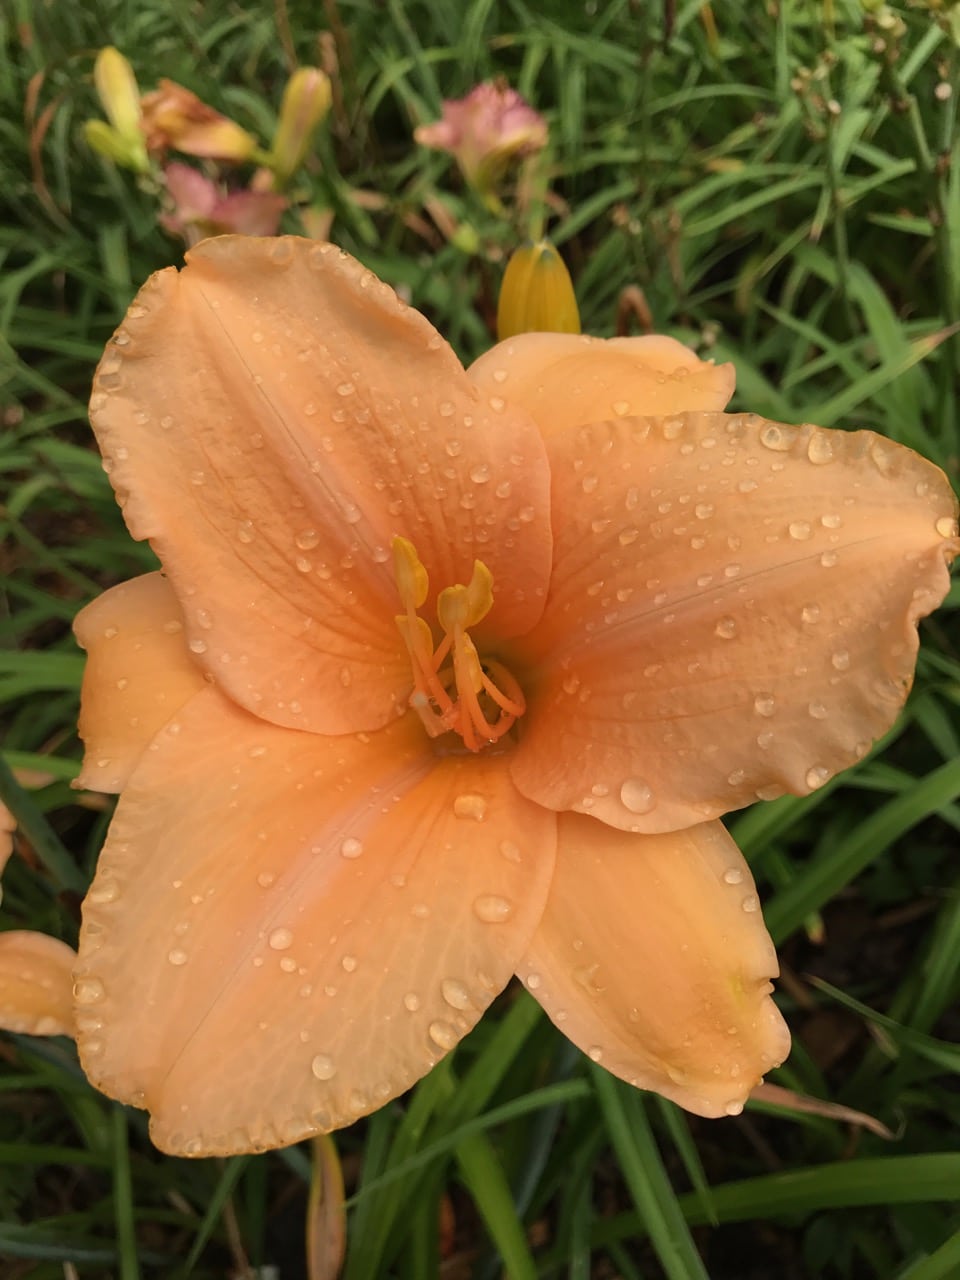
450 679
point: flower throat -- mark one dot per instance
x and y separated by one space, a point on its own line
454 690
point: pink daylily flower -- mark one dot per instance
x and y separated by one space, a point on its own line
484 131
448 676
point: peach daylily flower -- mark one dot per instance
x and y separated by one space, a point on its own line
449 676
36 971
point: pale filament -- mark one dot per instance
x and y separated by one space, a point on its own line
450 677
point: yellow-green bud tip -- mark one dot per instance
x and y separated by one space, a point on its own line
306 100
119 94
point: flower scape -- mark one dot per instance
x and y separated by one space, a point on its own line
448 676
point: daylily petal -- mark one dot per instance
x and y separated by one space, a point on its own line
653 958
286 930
8 824
272 416
565 380
732 612
36 984
139 673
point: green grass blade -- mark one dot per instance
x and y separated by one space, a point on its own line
484 1178
657 1206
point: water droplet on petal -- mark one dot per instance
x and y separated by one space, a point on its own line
820 448
455 993
88 990
411 1002
104 890
470 805
764 704
750 903
323 1067
733 1108
816 776
637 796
177 956
443 1034
799 530
726 628
733 875
280 939
595 1053
778 437
946 527
492 909
351 848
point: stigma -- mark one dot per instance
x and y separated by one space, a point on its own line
454 689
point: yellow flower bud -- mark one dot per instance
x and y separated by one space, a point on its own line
119 94
537 294
306 100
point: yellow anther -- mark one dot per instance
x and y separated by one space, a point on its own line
464 607
454 689
479 593
412 580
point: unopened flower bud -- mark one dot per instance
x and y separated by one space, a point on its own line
537 294
306 100
122 140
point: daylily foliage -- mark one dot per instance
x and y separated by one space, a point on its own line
448 676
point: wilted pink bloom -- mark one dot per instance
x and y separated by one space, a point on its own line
484 131
201 208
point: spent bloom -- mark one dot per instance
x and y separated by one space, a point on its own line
174 118
448 676
492 126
